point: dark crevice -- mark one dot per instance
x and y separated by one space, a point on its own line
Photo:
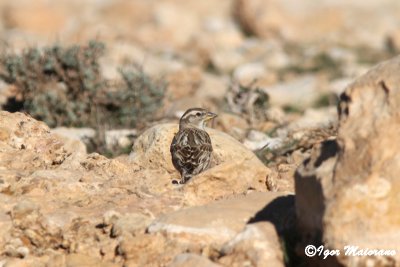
13 105
329 149
384 87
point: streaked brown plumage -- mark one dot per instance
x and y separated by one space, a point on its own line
191 147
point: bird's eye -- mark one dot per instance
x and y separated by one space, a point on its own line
198 114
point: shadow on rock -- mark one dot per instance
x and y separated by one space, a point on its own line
281 213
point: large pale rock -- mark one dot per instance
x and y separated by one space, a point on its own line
27 262
29 141
217 222
232 124
350 187
152 250
92 206
300 93
306 21
313 181
86 261
183 83
213 86
226 60
236 169
192 260
34 18
258 243
54 195
131 223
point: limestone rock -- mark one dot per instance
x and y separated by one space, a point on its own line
82 134
20 16
321 118
247 73
30 141
146 250
86 261
212 87
258 18
192 260
183 83
50 206
236 168
216 222
308 21
74 139
26 262
313 175
349 187
300 93
257 140
130 223
30 225
257 245
225 61
121 138
232 124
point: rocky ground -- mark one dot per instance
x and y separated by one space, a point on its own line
304 145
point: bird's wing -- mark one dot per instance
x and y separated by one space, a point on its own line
190 149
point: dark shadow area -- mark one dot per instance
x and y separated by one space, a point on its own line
310 202
13 105
282 214
343 106
329 149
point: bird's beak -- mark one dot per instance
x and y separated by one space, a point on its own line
210 116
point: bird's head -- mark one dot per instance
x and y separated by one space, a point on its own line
196 117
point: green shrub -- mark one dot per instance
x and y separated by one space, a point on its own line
137 99
64 86
56 83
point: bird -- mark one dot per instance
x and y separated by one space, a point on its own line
191 147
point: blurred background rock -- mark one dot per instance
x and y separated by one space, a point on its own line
123 65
